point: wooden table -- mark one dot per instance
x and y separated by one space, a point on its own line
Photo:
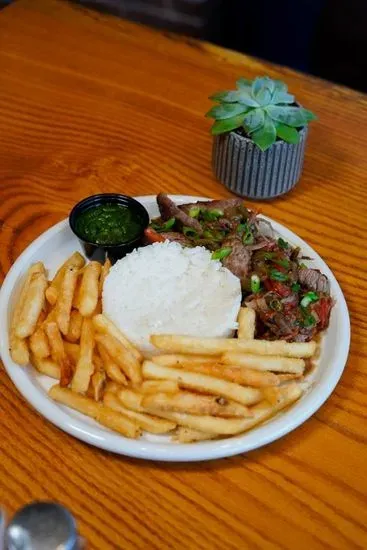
89 103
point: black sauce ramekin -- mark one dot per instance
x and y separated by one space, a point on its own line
114 252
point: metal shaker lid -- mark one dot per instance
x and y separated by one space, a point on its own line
42 526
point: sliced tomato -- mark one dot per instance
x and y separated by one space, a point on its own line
323 308
279 288
152 236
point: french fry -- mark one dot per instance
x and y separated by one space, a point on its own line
88 293
84 367
232 426
103 325
108 417
131 400
121 356
183 360
76 401
75 303
75 260
113 371
50 317
98 309
238 375
46 366
268 363
146 422
65 298
97 384
203 383
58 353
18 348
188 435
72 351
112 387
75 326
33 304
272 395
290 376
149 387
104 272
51 294
38 343
118 423
246 323
192 403
217 346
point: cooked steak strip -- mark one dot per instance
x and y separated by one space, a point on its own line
314 280
230 207
168 209
239 260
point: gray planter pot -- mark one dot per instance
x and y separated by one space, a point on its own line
249 172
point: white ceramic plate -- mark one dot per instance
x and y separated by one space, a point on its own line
53 247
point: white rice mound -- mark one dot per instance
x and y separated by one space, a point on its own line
165 288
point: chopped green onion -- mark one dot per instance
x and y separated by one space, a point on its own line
276 275
190 232
282 243
212 215
308 321
194 211
168 224
269 255
221 253
276 305
255 283
309 298
163 227
303 266
295 287
241 227
208 234
282 262
248 237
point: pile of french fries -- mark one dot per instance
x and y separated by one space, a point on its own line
195 389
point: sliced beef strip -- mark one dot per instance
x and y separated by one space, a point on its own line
239 260
314 280
174 236
230 207
168 209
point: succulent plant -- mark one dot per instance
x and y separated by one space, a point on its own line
263 108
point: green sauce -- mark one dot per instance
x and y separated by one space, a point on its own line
108 224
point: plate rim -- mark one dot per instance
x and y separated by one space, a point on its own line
169 452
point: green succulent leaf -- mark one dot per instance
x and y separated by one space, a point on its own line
225 97
286 133
226 110
282 97
309 115
264 97
226 125
244 84
253 120
280 86
291 116
260 84
246 99
265 136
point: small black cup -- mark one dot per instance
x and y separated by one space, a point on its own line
114 252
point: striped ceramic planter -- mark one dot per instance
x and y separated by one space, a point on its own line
249 172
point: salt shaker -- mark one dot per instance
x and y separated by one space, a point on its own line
42 526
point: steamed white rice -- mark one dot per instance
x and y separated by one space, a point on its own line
165 288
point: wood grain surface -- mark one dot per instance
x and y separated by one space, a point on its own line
90 103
